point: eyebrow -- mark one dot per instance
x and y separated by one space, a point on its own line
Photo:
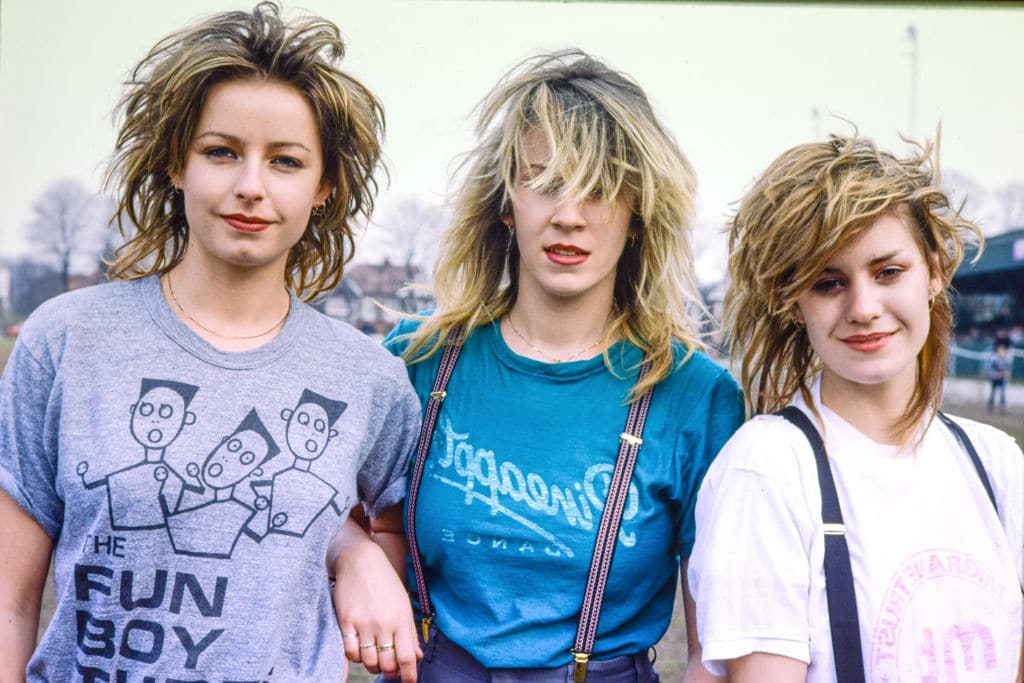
237 140
873 262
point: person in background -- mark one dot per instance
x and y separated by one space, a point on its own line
184 442
997 369
566 282
858 534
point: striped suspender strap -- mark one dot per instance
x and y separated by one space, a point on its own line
608 532
453 346
965 441
839 591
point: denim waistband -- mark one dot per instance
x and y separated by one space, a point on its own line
446 662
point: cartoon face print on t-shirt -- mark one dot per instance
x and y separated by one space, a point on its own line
310 424
239 454
161 412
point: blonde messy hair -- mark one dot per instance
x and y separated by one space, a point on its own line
161 107
811 202
605 141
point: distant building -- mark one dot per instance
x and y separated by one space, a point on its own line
990 292
372 295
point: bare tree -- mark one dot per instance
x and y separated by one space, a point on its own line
979 204
111 238
1011 199
66 228
413 226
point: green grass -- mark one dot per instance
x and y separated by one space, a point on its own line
6 344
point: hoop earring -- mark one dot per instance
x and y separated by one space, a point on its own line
511 229
931 302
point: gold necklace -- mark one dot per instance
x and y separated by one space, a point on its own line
201 326
545 353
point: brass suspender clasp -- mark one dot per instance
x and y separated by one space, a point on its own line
425 625
630 439
579 666
439 395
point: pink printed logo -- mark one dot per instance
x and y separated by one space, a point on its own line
958 647
946 617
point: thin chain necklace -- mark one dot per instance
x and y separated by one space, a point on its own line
201 326
545 353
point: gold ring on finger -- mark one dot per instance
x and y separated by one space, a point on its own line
385 646
366 645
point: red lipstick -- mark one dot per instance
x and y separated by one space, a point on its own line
868 343
566 254
243 223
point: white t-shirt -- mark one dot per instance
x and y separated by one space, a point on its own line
937 574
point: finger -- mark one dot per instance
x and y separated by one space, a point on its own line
368 653
350 641
386 658
407 651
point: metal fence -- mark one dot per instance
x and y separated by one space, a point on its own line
969 360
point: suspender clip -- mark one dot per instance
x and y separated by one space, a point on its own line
425 625
833 529
439 395
579 666
630 439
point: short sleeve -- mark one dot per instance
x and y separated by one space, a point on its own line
724 413
749 571
28 447
384 476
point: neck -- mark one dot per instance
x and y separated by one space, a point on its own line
874 409
561 330
234 311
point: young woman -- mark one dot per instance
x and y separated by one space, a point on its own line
186 441
908 566
566 265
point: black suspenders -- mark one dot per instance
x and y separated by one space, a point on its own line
839 591
842 601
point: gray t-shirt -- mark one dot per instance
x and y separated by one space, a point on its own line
191 493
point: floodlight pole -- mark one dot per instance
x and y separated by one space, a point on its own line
912 37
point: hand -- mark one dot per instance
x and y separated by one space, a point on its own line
373 607
696 673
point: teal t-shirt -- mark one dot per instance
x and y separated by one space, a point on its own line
515 483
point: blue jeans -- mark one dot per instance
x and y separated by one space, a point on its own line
998 387
445 662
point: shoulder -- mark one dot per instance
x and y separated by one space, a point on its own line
697 378
397 340
697 367
767 445
65 309
100 305
986 436
999 451
332 338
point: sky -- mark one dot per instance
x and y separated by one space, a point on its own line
736 83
